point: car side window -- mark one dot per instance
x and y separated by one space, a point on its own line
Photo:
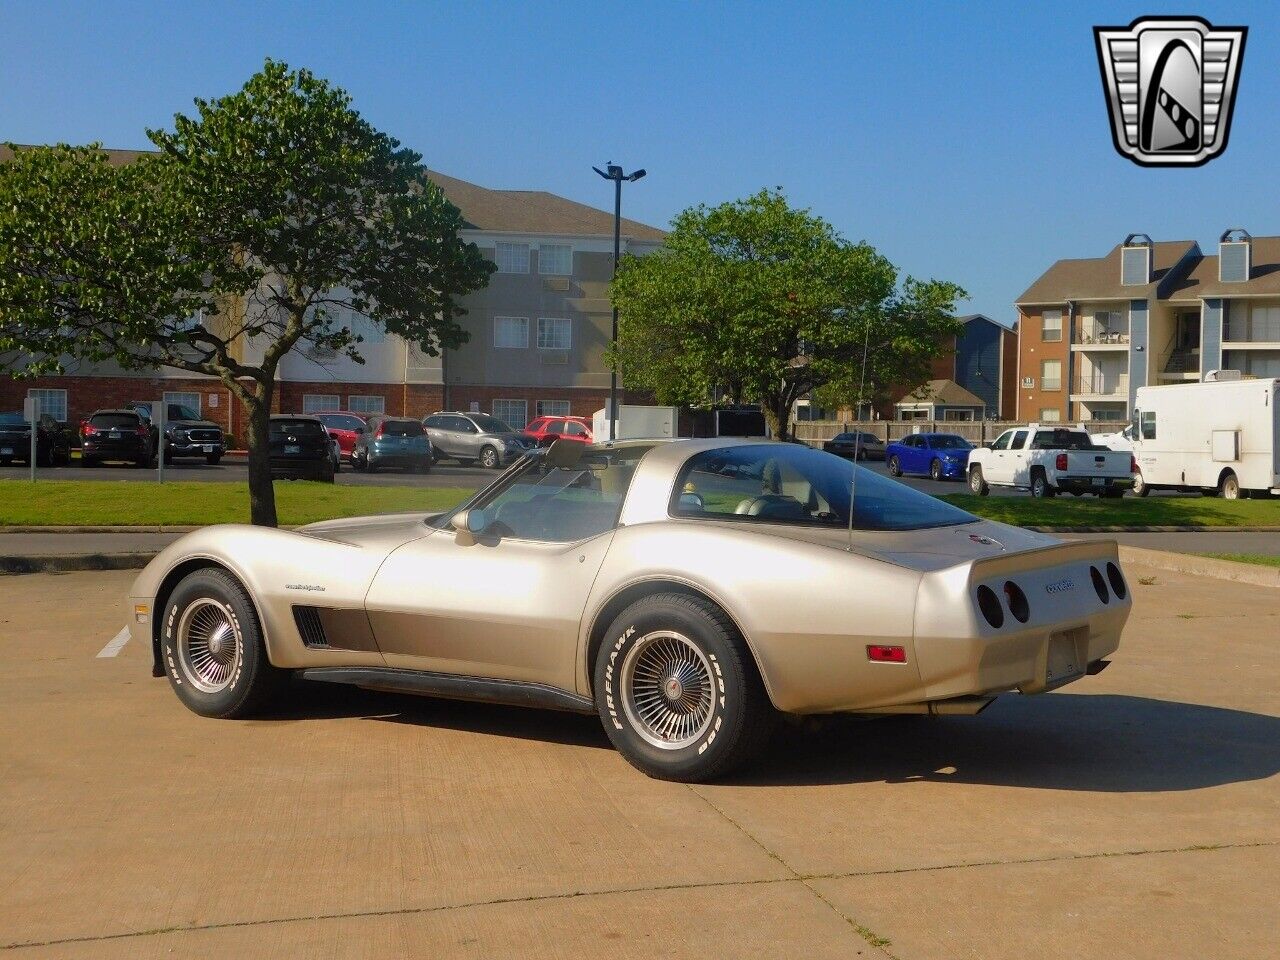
554 427
561 504
1019 440
574 429
1002 442
434 423
463 425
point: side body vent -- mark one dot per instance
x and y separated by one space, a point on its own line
310 628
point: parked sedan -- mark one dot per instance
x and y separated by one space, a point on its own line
299 449
939 456
866 446
116 435
639 581
345 427
392 442
546 430
53 449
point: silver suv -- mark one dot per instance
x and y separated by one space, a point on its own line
468 437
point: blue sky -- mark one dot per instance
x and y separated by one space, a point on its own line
965 142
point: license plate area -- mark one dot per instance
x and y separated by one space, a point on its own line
292 448
1065 660
1099 481
6 451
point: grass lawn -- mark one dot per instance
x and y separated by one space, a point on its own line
80 503
1261 559
1130 511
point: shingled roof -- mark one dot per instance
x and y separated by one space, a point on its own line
944 393
1264 277
1099 278
501 211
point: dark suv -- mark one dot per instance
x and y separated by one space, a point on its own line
52 447
186 434
116 435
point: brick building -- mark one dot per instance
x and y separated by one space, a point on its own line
538 331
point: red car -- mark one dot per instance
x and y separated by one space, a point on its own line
344 427
545 430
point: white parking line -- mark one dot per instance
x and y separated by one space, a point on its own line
116 644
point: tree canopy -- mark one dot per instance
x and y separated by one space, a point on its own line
260 224
759 302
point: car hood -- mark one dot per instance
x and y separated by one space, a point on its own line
522 438
197 424
934 548
387 531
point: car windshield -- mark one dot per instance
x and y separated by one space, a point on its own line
949 441
560 504
402 428
490 424
341 421
776 483
180 411
1062 440
299 428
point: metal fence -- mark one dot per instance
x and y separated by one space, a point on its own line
814 432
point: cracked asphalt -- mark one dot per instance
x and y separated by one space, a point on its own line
1135 814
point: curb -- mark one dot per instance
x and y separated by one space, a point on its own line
72 562
1198 566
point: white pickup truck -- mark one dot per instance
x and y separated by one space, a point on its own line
1047 460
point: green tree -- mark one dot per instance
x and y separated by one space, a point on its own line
763 303
260 225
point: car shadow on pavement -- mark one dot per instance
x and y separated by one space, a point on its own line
1107 743
321 701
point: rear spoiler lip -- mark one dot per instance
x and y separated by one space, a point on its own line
1039 557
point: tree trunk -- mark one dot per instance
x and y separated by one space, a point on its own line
777 416
262 495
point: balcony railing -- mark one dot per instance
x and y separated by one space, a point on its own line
1100 334
1101 384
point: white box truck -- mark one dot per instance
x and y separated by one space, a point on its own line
1221 437
637 422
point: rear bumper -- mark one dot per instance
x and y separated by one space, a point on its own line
113 450
1088 484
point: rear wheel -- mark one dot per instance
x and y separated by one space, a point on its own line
213 650
935 469
895 467
678 691
1230 487
1040 488
977 485
489 458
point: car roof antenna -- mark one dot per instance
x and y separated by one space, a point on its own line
857 437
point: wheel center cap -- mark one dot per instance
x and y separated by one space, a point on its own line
673 689
215 644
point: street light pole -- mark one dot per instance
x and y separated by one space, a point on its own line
614 172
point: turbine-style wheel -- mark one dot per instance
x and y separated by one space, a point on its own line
667 690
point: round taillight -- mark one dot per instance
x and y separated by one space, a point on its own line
1017 601
1099 584
1117 581
989 604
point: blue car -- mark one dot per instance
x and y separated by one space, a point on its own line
939 456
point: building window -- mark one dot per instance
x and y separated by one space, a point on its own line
556 258
320 402
512 257
52 402
554 333
512 412
191 400
552 408
1050 374
1051 326
510 333
366 403
1050 415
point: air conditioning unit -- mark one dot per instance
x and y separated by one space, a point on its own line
1220 376
558 284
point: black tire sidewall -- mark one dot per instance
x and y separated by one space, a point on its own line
233 699
935 470
716 749
895 467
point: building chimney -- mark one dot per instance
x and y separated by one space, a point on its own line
1235 256
1135 260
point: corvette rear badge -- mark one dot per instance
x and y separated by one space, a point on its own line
1170 84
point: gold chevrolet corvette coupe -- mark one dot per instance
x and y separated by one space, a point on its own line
687 591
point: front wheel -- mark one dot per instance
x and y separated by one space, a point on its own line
678 691
213 649
895 467
1140 488
977 485
935 470
489 458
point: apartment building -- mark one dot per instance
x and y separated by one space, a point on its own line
538 331
1092 331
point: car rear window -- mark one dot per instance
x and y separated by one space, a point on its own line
129 420
1062 440
402 428
299 428
341 421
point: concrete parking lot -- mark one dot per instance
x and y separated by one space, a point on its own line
1136 814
